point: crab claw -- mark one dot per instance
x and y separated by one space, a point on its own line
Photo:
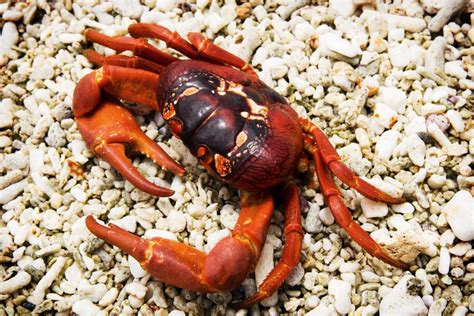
109 130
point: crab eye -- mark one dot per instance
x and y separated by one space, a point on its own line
204 155
176 127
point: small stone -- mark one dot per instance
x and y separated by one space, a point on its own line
456 120
460 249
321 310
109 297
436 181
85 308
136 289
398 55
373 209
343 8
384 115
400 301
404 208
176 221
406 246
128 8
303 31
416 149
386 145
440 120
459 212
341 290
312 221
135 268
444 261
91 292
326 217
395 98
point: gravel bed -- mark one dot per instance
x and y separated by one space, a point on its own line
391 84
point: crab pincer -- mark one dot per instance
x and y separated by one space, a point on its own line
110 130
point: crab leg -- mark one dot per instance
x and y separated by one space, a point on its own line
139 47
172 39
177 264
109 129
133 85
341 213
123 61
290 257
331 159
213 52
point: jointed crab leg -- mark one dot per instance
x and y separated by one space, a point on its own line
333 161
123 61
223 269
172 39
208 49
341 213
139 47
133 85
290 257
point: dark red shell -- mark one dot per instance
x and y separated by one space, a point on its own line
241 130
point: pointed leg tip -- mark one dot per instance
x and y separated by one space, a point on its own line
94 226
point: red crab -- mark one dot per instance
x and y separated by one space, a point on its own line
242 131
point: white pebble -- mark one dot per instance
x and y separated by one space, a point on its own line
398 55
333 42
444 261
11 285
459 212
85 308
436 181
303 31
386 145
39 292
9 193
341 290
455 69
343 8
396 35
151 233
136 289
8 39
312 220
369 276
128 8
373 209
395 98
460 249
399 301
93 292
276 66
176 221
135 268
456 120
325 215
109 297
321 310
404 208
384 115
416 149
51 220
